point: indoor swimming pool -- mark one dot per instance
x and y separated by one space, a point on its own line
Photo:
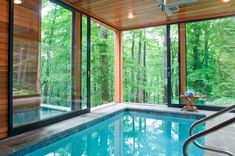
125 133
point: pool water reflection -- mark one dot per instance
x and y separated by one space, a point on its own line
129 133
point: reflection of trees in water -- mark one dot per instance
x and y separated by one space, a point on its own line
154 136
148 136
129 135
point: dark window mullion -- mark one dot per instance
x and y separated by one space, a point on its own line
88 61
168 42
73 62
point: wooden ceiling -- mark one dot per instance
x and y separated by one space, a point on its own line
148 13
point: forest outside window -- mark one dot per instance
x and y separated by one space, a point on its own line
210 61
174 63
102 64
144 65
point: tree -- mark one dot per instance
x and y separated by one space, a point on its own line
102 65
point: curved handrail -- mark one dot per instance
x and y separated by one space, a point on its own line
205 132
231 108
228 109
208 118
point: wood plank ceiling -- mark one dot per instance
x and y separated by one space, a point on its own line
148 13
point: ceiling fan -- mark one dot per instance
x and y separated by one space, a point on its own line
170 7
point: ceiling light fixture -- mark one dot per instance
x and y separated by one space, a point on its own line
17 1
130 15
225 1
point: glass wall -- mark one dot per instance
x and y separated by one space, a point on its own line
210 61
174 62
102 65
84 63
56 49
145 65
46 81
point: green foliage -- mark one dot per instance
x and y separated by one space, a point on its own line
56 55
145 65
174 61
210 60
102 65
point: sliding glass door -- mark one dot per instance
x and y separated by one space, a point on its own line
102 65
174 59
50 65
145 65
55 83
151 65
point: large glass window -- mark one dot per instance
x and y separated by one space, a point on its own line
47 78
84 63
210 61
145 65
102 65
174 62
56 39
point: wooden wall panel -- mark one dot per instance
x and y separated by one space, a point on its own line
77 61
118 61
3 67
182 34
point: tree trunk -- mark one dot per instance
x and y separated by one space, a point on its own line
139 64
195 48
145 75
196 60
158 91
206 48
132 70
48 57
104 64
26 63
46 88
165 68
20 65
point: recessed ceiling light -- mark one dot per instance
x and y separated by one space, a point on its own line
17 1
226 1
130 15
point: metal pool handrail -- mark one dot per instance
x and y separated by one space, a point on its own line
210 130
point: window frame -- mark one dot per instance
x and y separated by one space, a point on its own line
179 105
44 122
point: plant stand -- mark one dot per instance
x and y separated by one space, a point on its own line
189 101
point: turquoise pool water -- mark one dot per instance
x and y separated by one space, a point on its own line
127 134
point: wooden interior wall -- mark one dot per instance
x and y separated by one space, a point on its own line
3 67
77 61
118 61
182 31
